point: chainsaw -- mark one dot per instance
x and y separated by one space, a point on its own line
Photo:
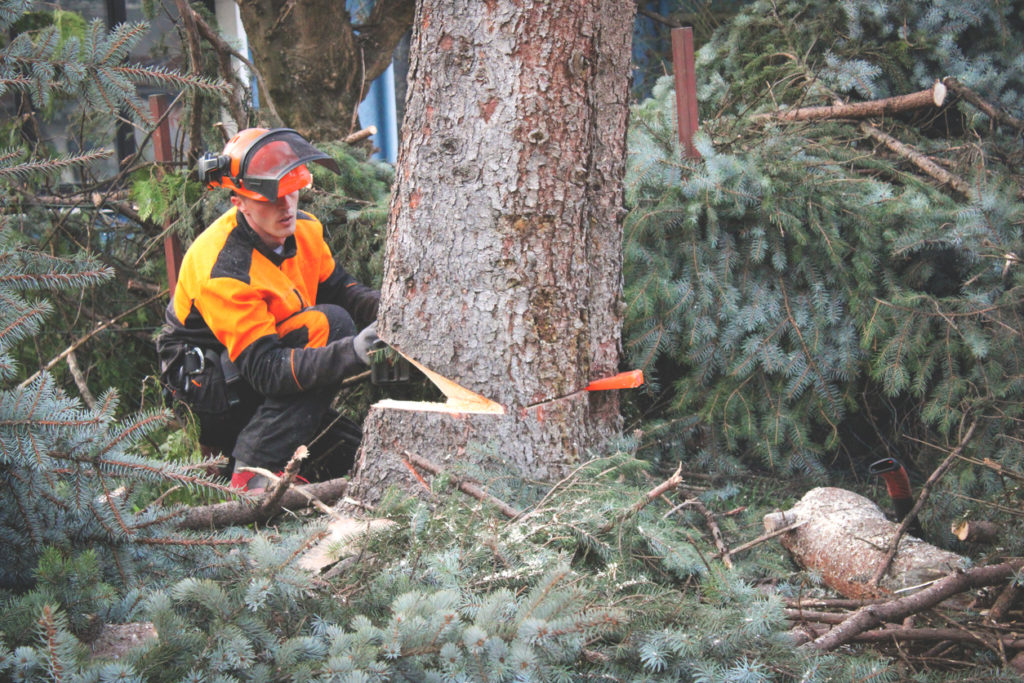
387 366
897 484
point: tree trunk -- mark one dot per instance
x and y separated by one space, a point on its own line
316 65
503 263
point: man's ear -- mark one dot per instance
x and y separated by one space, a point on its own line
236 200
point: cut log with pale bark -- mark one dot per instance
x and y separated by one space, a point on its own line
932 97
845 536
976 531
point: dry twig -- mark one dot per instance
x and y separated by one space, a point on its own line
466 487
271 500
920 160
92 333
990 110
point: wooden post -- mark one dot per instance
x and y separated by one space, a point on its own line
686 88
162 153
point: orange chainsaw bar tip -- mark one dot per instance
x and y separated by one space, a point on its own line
624 380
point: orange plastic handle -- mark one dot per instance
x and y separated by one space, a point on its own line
624 380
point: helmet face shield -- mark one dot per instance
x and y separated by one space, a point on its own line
273 164
273 156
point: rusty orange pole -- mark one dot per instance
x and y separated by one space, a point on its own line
686 88
162 153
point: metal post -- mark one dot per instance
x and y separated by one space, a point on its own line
686 88
162 152
124 134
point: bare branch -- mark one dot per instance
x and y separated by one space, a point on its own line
920 160
92 333
271 499
932 97
83 387
871 616
237 512
993 112
464 486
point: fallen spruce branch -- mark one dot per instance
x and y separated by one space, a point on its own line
925 164
921 498
244 511
871 616
932 97
466 487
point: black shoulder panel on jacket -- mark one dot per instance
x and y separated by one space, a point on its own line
235 258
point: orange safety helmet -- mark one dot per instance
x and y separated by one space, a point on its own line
263 164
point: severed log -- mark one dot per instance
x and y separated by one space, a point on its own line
1004 601
977 531
845 536
246 510
933 478
360 135
932 97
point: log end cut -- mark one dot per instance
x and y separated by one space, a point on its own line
845 537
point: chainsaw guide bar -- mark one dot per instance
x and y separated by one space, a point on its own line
460 399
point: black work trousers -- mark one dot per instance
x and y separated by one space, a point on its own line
264 431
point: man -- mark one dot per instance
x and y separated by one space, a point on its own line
263 324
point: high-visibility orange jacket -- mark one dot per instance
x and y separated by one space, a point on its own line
235 292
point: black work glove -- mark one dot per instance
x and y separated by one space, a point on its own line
366 341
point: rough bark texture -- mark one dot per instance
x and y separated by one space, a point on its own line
315 64
503 265
845 536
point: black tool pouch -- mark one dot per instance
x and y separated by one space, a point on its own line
194 376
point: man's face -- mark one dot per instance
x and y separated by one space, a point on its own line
272 221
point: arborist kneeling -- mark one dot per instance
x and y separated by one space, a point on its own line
263 324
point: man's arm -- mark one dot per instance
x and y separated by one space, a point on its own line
276 370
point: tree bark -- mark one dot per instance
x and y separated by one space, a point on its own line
503 263
316 65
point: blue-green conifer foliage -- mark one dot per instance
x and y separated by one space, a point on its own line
806 297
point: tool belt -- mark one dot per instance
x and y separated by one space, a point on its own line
204 379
